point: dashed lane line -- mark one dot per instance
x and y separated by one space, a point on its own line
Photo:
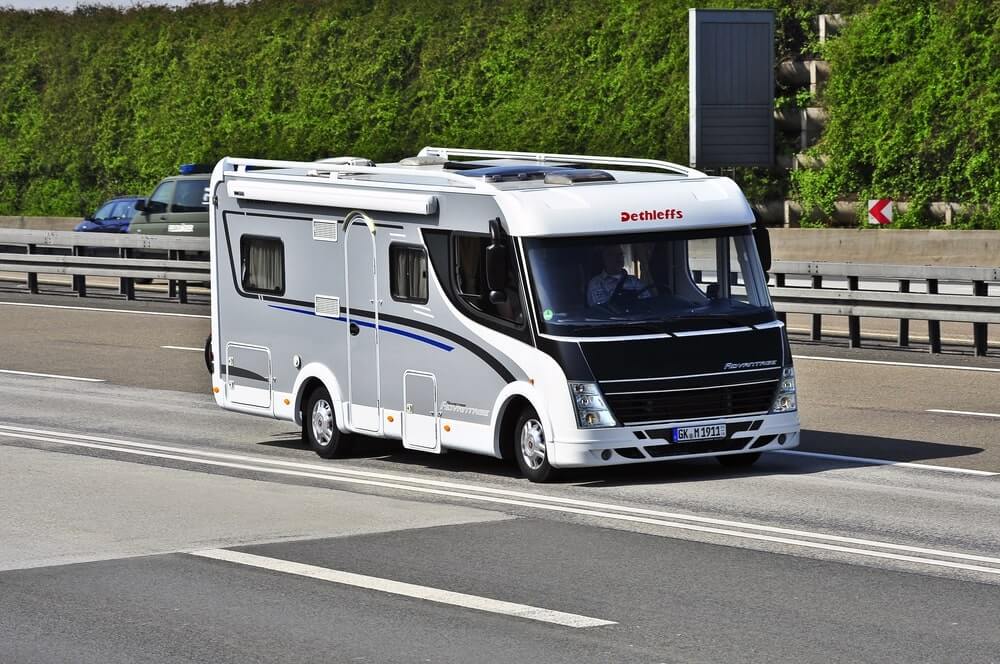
887 462
895 364
962 412
129 312
45 375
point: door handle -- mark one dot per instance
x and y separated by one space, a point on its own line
354 329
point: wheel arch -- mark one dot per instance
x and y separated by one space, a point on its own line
318 375
512 400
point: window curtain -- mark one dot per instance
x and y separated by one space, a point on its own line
263 267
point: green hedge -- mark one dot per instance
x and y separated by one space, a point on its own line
103 101
914 101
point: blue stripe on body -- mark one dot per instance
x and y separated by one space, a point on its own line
382 328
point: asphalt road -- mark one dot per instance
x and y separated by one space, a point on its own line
120 497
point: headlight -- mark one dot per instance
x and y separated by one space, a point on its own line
591 410
784 398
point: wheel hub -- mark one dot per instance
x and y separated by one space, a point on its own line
533 444
322 422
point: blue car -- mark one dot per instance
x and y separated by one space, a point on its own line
112 217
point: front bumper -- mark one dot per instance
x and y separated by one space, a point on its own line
644 444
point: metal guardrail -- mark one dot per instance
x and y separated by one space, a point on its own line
977 308
126 267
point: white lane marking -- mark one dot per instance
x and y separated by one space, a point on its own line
519 498
895 364
883 335
888 462
197 350
45 375
405 589
963 412
104 310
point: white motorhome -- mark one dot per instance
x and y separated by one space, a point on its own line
563 310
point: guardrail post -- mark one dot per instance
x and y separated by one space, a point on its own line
980 338
853 322
122 286
904 323
32 276
171 284
817 319
779 282
934 326
79 280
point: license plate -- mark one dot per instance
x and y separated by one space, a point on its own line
705 432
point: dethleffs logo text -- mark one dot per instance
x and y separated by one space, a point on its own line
652 215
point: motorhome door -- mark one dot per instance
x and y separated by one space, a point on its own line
362 323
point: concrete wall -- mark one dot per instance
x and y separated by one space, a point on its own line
903 247
40 223
888 247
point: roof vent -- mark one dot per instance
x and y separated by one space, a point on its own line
515 173
578 175
347 161
426 160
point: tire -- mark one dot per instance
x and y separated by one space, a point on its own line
319 426
209 355
738 460
529 448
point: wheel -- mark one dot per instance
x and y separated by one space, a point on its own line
319 426
209 355
738 460
529 448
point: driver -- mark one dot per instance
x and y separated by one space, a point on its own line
614 279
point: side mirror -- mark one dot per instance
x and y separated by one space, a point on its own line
140 205
496 263
762 239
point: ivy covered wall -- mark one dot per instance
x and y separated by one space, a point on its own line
914 101
104 101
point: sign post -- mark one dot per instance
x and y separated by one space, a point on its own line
880 212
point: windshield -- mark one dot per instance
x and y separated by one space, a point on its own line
115 210
647 283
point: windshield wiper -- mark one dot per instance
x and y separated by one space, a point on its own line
614 324
720 317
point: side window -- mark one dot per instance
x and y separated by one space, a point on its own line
160 199
408 273
470 273
192 196
262 264
470 280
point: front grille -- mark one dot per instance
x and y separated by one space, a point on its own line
692 404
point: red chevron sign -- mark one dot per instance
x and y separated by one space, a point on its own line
880 212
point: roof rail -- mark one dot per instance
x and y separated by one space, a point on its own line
448 153
247 166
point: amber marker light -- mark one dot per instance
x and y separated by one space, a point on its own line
215 390
287 402
391 418
447 427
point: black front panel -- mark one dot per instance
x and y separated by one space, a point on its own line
684 356
686 378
